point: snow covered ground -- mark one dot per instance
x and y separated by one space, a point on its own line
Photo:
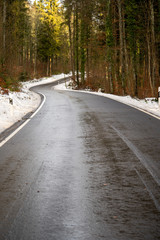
27 101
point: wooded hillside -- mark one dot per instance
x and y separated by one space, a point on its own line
114 45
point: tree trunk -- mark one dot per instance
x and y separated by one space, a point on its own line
121 70
35 62
50 66
109 58
4 29
149 65
71 49
153 66
87 62
125 54
47 67
115 62
150 44
82 53
77 44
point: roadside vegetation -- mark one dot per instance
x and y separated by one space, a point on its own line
112 45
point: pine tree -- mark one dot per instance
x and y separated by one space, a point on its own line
48 31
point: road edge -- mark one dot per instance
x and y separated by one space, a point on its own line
6 135
130 105
17 126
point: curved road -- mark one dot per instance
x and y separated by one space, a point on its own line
84 168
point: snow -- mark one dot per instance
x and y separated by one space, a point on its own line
26 101
148 105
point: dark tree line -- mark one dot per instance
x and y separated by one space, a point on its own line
115 45
14 38
33 40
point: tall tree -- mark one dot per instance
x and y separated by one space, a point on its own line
48 31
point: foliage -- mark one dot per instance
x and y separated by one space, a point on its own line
114 45
8 82
31 37
49 29
118 44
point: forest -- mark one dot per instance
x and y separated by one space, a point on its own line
109 44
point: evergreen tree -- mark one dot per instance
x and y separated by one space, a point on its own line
115 45
48 42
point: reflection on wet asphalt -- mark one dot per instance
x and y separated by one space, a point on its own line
85 168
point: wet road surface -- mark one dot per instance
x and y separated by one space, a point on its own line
85 167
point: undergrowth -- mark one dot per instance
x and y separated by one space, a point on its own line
9 82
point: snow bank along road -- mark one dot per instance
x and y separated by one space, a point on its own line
85 167
24 101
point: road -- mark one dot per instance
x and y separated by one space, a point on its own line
85 167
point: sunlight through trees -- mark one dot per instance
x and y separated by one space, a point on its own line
114 45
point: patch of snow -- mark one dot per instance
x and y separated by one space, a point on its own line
23 102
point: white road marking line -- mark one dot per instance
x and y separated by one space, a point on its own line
20 127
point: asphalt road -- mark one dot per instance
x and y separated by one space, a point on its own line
84 168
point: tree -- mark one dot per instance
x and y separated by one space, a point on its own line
48 44
114 45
